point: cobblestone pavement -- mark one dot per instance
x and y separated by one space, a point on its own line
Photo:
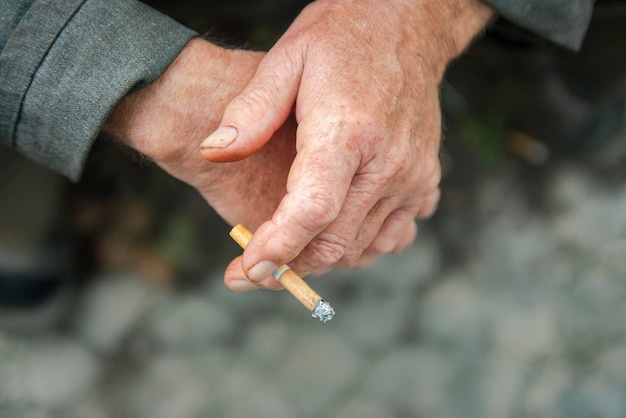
530 324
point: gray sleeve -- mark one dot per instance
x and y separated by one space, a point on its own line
64 64
564 22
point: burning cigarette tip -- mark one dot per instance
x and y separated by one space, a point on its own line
323 311
291 282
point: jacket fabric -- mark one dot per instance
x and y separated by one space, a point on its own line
64 64
563 22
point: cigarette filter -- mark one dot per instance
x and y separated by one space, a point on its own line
293 283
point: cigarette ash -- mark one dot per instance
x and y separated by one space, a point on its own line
323 311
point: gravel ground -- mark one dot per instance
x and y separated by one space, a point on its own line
529 324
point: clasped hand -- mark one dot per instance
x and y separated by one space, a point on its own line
362 77
328 144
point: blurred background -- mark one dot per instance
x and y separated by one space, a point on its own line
511 303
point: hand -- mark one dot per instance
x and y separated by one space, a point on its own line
363 76
167 120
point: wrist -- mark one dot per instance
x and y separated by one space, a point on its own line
139 113
167 120
467 19
445 28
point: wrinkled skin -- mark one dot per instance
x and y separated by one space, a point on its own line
363 77
167 120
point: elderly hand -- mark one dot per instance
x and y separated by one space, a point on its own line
167 120
363 77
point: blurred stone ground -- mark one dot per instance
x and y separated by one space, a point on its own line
530 323
512 302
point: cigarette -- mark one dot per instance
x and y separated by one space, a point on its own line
293 283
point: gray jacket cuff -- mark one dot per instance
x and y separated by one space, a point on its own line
564 22
67 63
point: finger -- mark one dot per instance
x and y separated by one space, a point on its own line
430 205
366 260
236 281
369 256
316 190
259 110
356 225
407 238
398 231
369 229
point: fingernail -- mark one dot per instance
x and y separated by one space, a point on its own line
240 286
261 270
221 138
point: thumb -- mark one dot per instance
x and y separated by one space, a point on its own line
236 281
252 117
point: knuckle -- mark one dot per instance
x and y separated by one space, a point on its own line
424 177
395 170
319 210
389 173
250 104
286 249
401 168
327 249
351 258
